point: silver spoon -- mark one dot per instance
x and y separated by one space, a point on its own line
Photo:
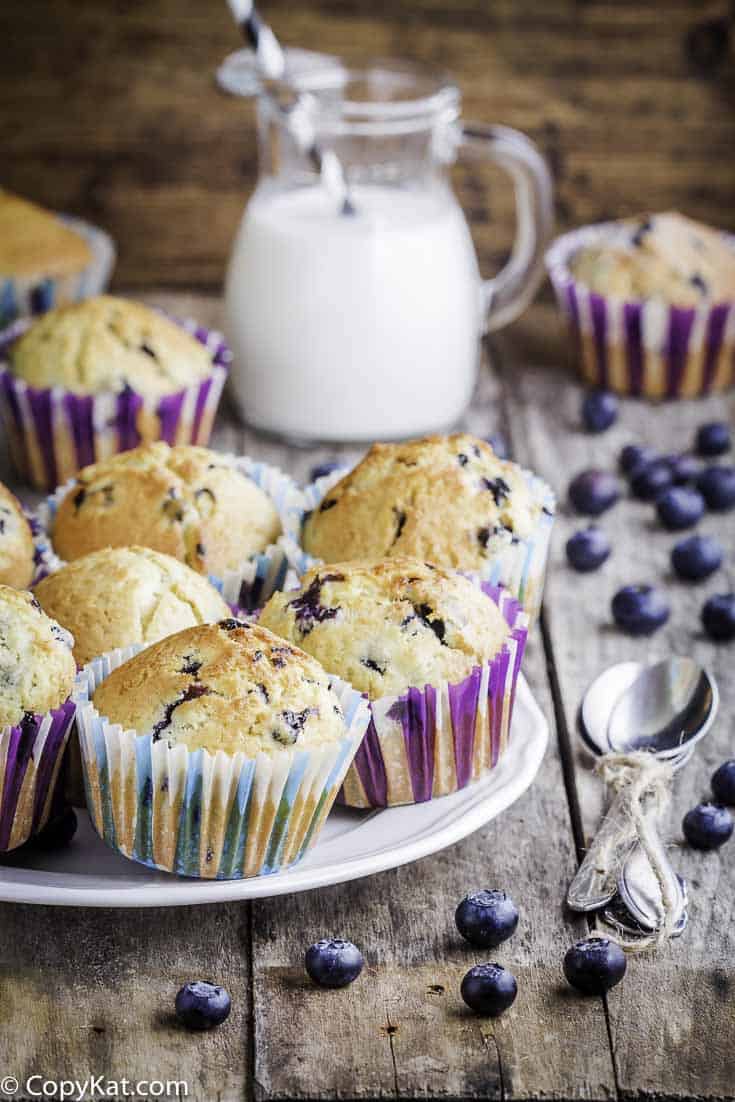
664 709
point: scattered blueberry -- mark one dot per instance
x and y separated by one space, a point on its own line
599 410
680 507
588 549
685 468
723 783
651 479
594 491
58 832
489 989
717 487
696 557
202 1005
499 444
594 965
635 455
713 438
323 469
718 617
707 826
486 918
640 609
332 962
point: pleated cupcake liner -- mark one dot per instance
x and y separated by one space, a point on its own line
29 296
30 762
438 739
212 816
251 583
519 565
646 348
52 432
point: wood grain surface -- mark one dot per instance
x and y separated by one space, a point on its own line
92 993
108 109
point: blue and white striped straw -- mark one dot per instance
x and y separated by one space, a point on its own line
271 62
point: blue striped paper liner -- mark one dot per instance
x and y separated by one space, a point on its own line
519 567
22 297
270 808
251 583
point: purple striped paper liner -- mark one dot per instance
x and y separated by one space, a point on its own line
53 433
660 350
30 760
397 759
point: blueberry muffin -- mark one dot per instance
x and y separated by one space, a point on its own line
386 626
123 595
107 344
448 500
188 502
664 256
37 667
16 542
229 686
36 244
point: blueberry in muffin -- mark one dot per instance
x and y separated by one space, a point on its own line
37 667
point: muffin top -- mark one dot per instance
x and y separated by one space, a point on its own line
37 667
229 686
123 595
16 542
665 256
188 502
447 500
108 344
35 242
389 625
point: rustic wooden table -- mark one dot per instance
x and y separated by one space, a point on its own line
92 992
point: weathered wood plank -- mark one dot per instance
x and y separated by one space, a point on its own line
111 111
672 1020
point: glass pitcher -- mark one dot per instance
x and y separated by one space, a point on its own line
361 321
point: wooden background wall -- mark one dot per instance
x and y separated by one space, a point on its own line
108 109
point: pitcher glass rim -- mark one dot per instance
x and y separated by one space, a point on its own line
397 96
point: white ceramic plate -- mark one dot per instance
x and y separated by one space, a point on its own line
352 843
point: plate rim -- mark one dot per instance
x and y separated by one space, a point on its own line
18 885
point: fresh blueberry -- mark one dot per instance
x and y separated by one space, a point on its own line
599 410
594 491
651 479
680 507
58 832
707 826
717 487
332 962
486 918
202 1005
713 438
323 469
499 444
588 549
718 617
685 468
640 609
696 557
489 989
723 783
635 455
594 965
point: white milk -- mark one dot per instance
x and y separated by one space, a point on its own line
353 327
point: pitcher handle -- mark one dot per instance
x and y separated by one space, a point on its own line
508 293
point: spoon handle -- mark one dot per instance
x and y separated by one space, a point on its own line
596 881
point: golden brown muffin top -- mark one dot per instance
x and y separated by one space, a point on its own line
229 686
35 242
